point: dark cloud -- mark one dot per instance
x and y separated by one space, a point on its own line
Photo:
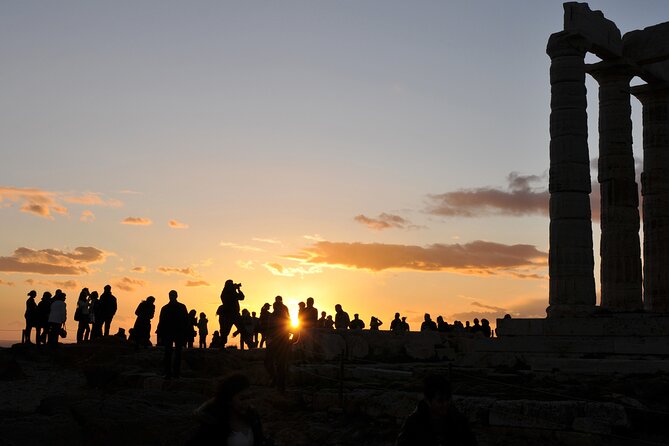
519 198
384 221
52 261
45 203
478 257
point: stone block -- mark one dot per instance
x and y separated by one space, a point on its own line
602 34
649 48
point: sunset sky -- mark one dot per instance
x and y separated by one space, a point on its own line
385 155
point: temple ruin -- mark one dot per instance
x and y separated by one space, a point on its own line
634 303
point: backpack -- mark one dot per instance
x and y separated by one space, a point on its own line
77 314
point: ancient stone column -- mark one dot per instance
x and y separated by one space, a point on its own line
570 260
620 248
655 192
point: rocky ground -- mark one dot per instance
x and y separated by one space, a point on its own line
109 393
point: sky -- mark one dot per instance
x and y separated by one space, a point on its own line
384 155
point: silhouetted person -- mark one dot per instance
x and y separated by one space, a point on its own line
142 328
310 315
203 330
485 328
468 327
32 318
321 321
96 316
172 331
436 421
57 317
507 316
405 324
442 325
108 306
264 322
245 330
229 310
375 323
428 324
216 340
356 323
227 418
396 324
476 328
82 316
278 345
342 319
458 327
43 310
329 323
192 329
120 334
279 300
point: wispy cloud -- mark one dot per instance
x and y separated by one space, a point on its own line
245 264
529 307
279 270
6 283
384 221
241 247
314 238
129 283
192 283
139 221
271 241
177 224
478 257
92 199
138 269
87 217
187 271
52 261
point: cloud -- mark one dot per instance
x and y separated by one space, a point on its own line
240 247
52 261
487 307
519 199
188 271
245 264
478 257
139 269
314 238
45 203
139 221
197 283
384 221
6 283
279 270
271 241
92 199
34 201
129 283
87 217
177 225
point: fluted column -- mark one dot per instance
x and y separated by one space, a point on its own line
655 192
570 260
620 248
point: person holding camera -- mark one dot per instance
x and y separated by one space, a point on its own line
228 314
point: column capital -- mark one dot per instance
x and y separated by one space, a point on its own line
566 43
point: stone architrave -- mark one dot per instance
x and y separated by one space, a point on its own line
655 192
619 246
571 260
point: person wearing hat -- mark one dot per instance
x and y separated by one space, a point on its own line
57 317
31 316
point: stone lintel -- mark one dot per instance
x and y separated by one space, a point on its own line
647 46
612 70
642 92
601 33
